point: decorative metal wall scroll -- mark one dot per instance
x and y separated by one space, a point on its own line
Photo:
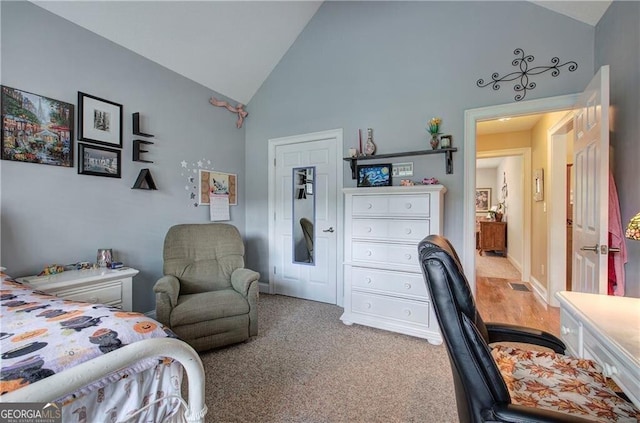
523 74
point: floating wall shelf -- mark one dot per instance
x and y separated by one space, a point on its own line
448 152
145 181
136 126
137 150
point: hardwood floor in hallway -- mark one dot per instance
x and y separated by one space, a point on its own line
498 302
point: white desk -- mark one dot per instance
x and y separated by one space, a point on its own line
605 329
104 286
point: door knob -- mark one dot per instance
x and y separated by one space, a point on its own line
328 230
594 248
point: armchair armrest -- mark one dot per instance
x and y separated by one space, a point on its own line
518 413
502 332
167 290
241 280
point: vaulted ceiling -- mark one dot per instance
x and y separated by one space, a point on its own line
228 46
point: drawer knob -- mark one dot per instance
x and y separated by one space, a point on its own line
407 256
407 312
369 229
407 285
369 253
368 280
407 231
369 205
368 305
408 205
565 330
93 300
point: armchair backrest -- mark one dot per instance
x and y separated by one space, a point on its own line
477 379
203 256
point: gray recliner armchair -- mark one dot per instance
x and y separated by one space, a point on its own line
206 296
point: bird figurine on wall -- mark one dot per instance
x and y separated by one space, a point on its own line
239 110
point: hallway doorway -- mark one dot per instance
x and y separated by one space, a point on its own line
472 118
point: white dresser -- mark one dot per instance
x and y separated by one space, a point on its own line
104 286
383 283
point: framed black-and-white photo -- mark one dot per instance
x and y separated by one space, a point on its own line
99 161
99 120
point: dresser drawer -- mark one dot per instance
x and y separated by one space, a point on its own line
613 366
570 333
390 282
392 205
388 254
387 229
391 308
104 293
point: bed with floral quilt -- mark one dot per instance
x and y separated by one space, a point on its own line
43 336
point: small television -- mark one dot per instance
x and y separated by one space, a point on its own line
376 175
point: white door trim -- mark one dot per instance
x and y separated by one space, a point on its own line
471 117
336 134
557 206
525 154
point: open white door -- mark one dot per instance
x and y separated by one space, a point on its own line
591 208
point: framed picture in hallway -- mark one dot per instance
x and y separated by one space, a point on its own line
483 200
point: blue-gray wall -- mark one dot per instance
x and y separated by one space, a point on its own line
394 65
52 214
617 44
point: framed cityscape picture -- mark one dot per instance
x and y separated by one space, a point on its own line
36 129
99 161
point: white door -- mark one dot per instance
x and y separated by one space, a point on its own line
298 162
591 207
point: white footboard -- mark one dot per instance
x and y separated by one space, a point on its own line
60 384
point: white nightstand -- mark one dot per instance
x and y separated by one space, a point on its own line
104 286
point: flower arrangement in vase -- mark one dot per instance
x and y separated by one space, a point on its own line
434 130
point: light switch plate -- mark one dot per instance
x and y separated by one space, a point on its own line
402 169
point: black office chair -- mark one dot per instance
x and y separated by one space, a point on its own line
507 384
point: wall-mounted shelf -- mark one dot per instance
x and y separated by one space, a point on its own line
145 181
448 152
137 150
136 126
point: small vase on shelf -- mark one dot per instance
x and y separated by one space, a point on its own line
370 147
435 141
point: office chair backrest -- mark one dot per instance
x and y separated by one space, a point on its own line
477 379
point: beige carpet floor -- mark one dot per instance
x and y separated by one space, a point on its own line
307 366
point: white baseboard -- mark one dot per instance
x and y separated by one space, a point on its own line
263 287
515 264
540 291
151 314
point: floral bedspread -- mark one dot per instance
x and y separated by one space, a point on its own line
41 335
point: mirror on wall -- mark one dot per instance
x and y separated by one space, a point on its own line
303 221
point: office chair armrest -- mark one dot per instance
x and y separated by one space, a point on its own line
518 413
502 332
241 280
